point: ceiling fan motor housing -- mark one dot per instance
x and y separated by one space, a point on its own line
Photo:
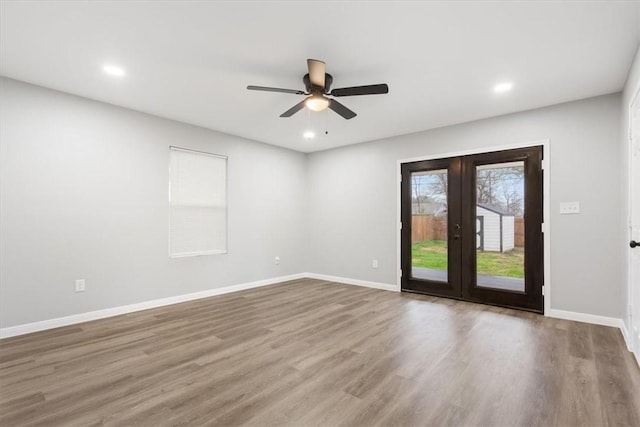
328 79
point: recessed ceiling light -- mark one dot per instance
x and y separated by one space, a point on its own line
112 70
309 135
503 87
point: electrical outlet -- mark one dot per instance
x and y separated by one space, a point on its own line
374 264
569 208
80 285
276 261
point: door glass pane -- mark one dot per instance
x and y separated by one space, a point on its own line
500 226
429 251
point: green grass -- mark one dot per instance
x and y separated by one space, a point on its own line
433 254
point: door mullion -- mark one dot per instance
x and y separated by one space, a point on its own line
467 203
455 224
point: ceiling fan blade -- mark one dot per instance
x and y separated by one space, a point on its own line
341 109
291 111
361 90
275 89
317 70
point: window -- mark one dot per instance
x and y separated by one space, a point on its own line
198 203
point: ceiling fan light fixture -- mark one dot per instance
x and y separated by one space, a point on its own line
317 103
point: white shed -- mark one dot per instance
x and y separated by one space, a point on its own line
495 229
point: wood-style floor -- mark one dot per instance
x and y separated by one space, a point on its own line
308 353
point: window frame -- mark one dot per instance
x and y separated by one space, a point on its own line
226 204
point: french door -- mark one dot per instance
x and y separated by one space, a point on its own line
472 228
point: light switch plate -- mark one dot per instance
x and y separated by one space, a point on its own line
569 208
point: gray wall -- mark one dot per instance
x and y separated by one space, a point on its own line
84 195
633 83
353 193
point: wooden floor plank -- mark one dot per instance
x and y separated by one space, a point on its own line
310 352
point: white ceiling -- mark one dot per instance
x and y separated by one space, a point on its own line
192 60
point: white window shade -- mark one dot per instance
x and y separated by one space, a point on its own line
198 203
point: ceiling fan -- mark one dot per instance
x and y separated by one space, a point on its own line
318 84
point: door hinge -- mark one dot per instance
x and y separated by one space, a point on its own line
542 227
543 290
400 225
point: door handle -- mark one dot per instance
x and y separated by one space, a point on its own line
633 244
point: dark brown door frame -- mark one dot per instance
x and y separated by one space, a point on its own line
532 298
461 275
452 287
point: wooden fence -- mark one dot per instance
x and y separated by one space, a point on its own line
519 231
428 227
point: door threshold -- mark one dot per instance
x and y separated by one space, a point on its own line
529 310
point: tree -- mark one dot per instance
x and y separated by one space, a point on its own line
428 188
500 186
415 186
486 180
513 201
439 187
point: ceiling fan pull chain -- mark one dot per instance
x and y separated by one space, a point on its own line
326 122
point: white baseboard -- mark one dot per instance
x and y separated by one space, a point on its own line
636 350
115 311
594 319
626 336
586 318
357 282
628 339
